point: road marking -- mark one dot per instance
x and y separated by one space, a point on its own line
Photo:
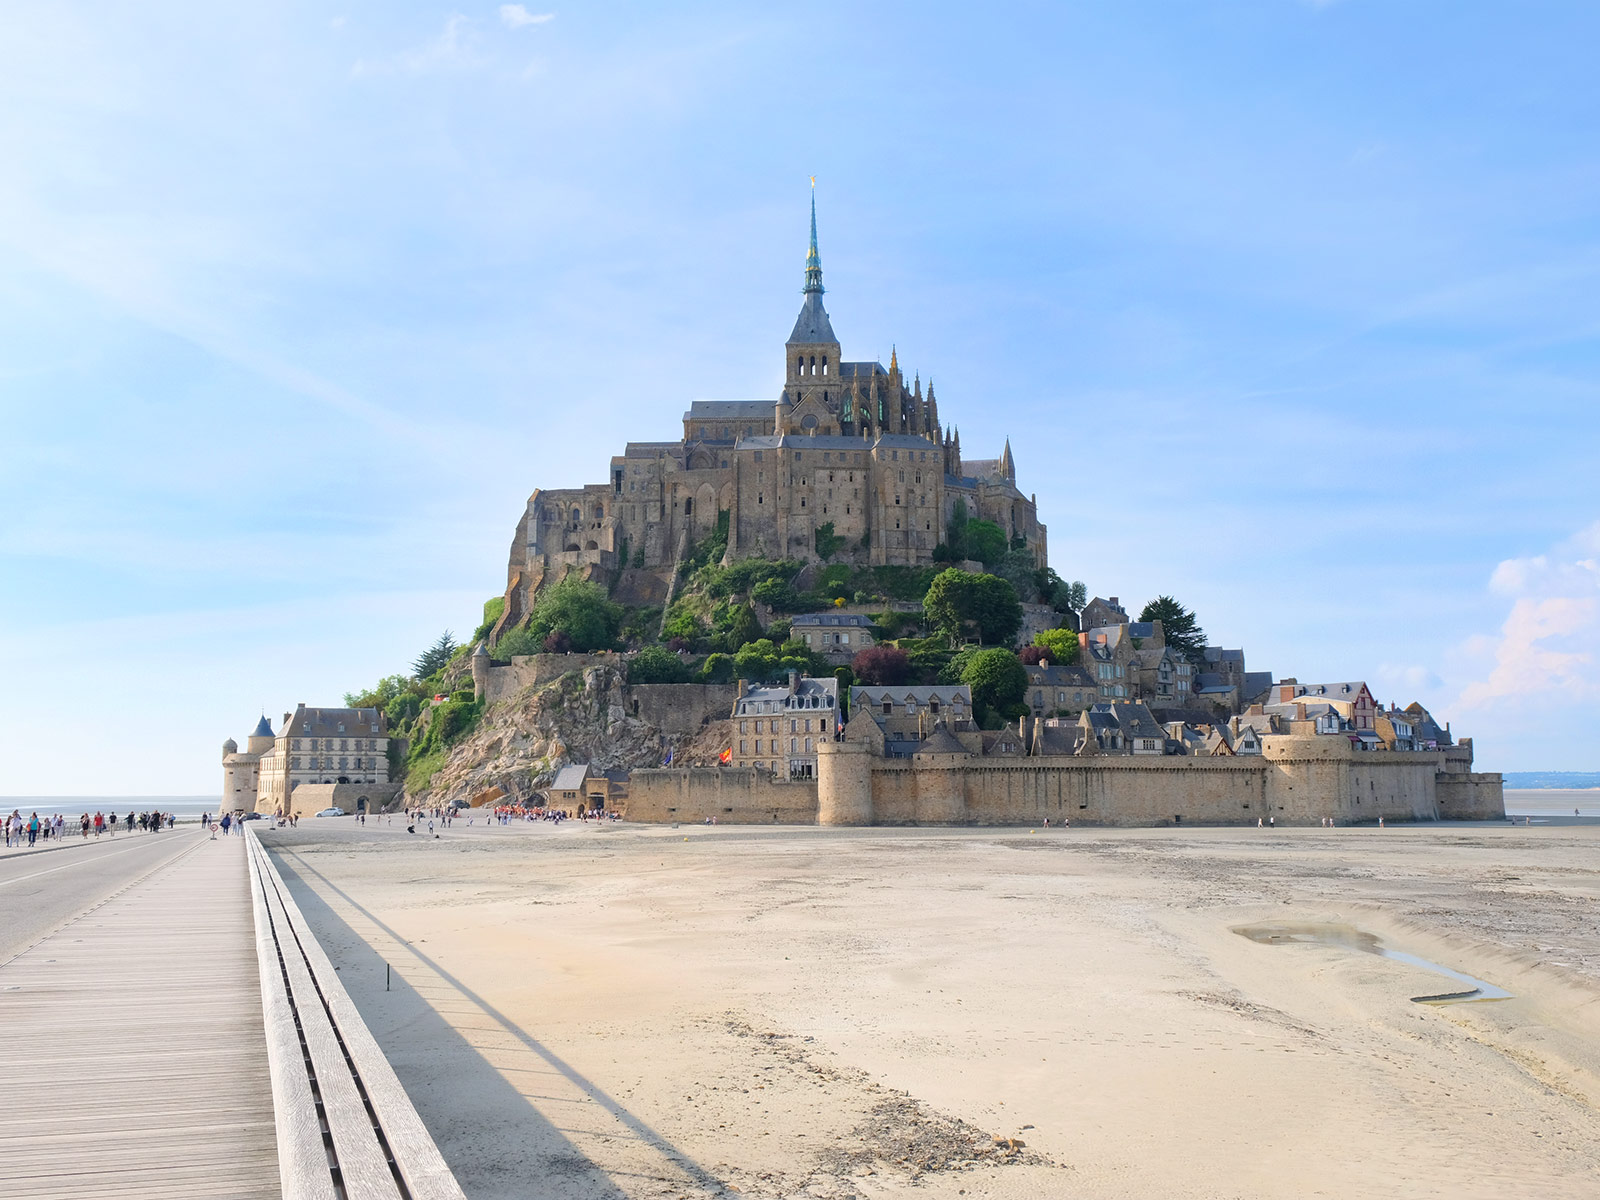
74 863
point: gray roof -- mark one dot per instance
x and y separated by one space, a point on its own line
1256 682
1058 676
823 690
335 722
1329 691
570 779
1059 739
941 741
263 727
1210 682
1141 629
729 410
850 370
945 693
831 618
812 325
1137 721
1218 654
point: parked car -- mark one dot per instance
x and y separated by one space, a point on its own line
331 812
253 816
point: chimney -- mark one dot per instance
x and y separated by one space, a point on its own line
285 719
794 682
1299 712
1113 602
740 692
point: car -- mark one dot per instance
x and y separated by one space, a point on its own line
254 817
331 812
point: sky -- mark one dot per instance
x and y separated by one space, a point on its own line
1288 308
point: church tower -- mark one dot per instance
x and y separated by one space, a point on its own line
812 351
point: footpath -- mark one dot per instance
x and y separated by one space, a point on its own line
136 1062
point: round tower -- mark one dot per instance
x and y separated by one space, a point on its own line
844 783
480 670
261 740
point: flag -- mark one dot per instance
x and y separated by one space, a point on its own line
667 761
726 755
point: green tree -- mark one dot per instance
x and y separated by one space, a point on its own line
1060 645
828 542
744 628
986 542
435 656
959 601
1182 629
757 660
718 668
388 688
657 664
997 679
581 610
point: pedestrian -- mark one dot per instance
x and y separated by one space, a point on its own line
83 823
33 828
99 823
227 823
1259 823
1380 822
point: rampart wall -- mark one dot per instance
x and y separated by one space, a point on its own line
1296 781
733 796
682 708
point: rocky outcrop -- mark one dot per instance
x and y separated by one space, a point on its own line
585 716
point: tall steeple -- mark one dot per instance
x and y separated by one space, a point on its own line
1008 465
813 258
812 351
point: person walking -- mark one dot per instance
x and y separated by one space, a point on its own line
33 828
227 823
99 823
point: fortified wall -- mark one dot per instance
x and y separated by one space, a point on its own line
1295 780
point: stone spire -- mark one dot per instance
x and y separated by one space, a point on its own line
1008 466
894 361
812 329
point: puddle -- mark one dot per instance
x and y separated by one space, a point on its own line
1348 936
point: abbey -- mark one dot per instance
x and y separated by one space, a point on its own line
850 462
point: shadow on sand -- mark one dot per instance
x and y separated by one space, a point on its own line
494 1136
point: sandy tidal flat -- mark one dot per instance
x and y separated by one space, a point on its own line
650 1012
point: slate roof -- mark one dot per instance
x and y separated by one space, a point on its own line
941 741
812 325
808 688
1059 677
263 727
857 620
570 779
729 410
1218 654
862 370
1140 629
1211 683
1136 721
1255 682
945 693
1058 739
335 722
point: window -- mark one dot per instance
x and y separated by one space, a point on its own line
793 747
888 709
758 745
792 724
741 749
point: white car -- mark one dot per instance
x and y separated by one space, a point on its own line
332 812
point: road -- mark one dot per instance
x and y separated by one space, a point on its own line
41 891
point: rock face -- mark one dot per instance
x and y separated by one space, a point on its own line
582 717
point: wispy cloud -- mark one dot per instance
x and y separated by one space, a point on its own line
454 49
516 16
1550 640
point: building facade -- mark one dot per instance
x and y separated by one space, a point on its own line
324 746
778 728
850 462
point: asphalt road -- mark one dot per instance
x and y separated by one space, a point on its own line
39 892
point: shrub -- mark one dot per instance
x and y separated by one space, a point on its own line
1032 656
882 666
828 542
559 642
718 668
581 610
1059 645
657 664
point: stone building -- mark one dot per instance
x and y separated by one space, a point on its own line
241 769
325 746
778 728
851 461
838 637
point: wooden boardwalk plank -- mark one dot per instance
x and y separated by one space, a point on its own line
139 1065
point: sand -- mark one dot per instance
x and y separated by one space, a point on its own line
655 1012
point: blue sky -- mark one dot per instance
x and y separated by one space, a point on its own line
1289 310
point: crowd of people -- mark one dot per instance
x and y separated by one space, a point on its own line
33 829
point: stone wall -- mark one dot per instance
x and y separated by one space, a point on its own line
1465 796
535 670
733 796
311 798
681 709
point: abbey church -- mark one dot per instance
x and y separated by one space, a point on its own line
850 462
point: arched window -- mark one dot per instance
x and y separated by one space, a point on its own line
800 365
824 364
688 506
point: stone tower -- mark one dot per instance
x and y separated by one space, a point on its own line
480 670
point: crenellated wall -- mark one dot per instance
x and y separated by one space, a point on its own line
1296 781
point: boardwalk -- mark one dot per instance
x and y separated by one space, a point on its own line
134 1062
